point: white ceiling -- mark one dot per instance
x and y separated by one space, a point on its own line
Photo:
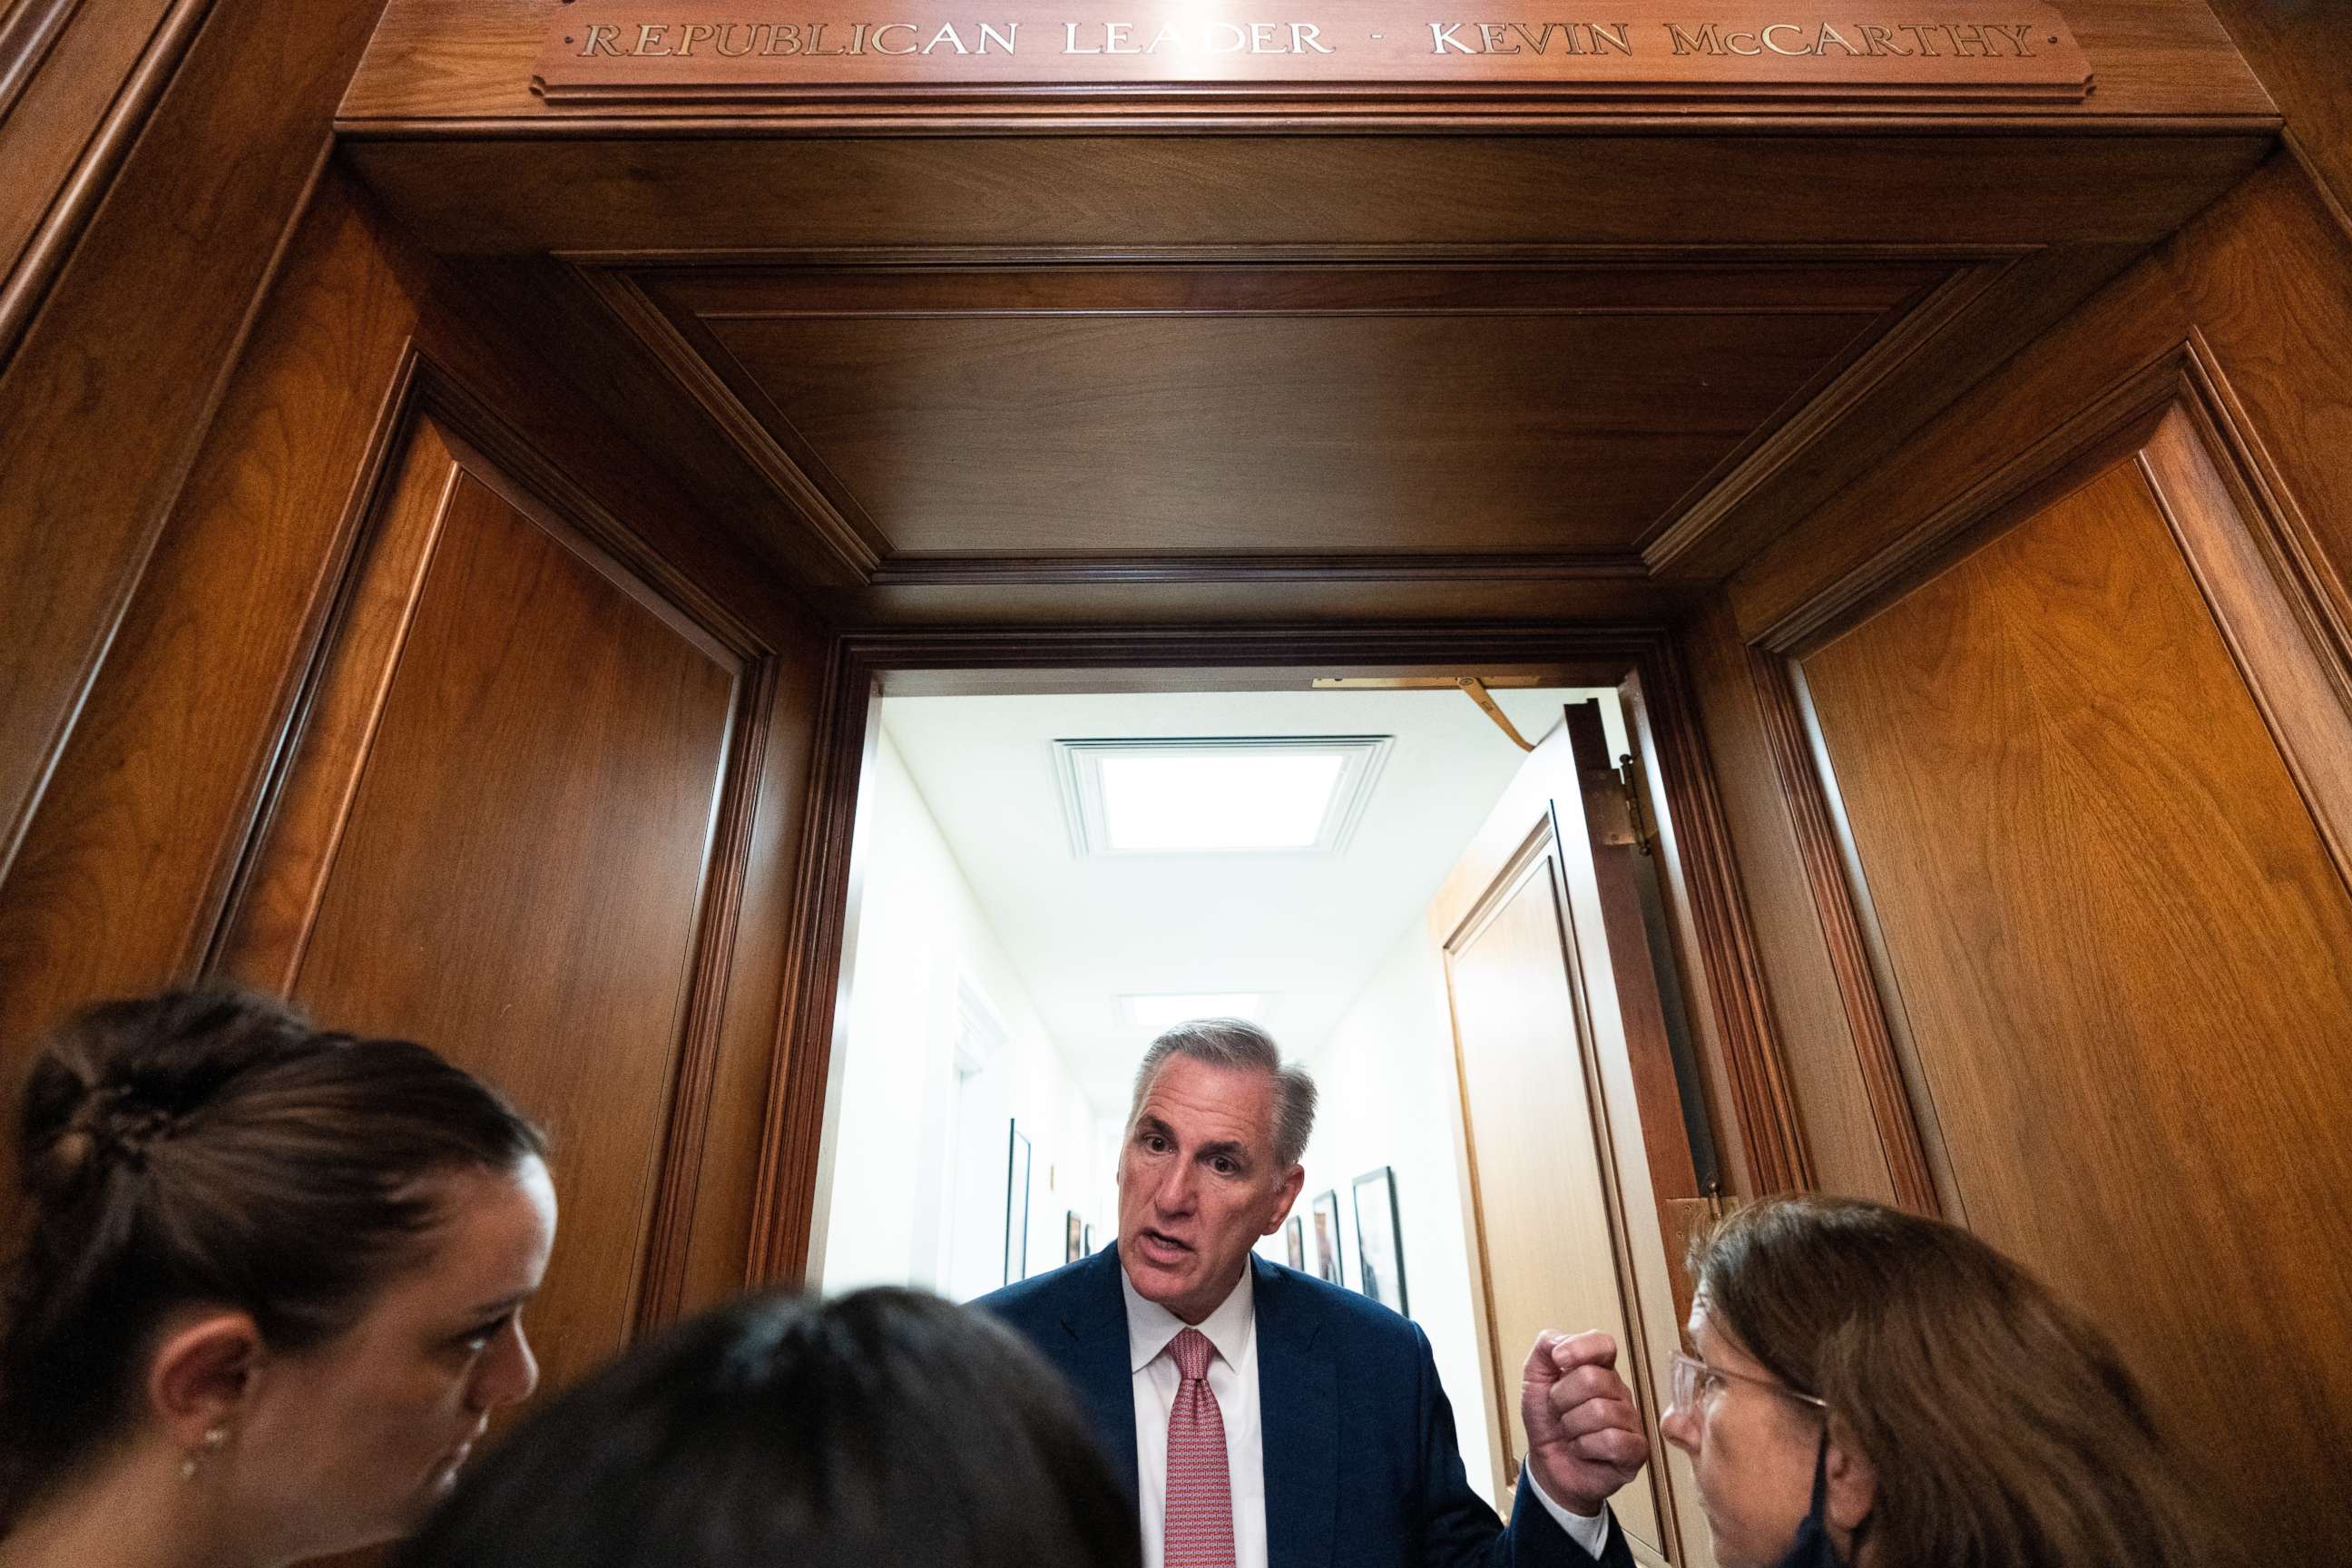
1309 928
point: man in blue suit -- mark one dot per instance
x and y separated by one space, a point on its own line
1269 1419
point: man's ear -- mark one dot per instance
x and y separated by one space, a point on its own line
1853 1483
1284 1196
203 1374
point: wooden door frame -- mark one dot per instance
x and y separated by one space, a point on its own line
1725 984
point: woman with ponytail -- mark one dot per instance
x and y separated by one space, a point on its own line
268 1289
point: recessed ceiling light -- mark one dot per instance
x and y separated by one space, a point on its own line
1154 1013
1217 795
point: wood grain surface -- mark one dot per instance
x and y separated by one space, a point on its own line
467 59
365 353
1076 429
2122 949
1817 1089
108 391
517 872
2263 280
2298 49
77 80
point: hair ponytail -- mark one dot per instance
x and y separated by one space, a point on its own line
211 1146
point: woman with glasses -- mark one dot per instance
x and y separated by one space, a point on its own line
1876 1389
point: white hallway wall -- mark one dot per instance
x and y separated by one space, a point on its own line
1388 1095
892 1123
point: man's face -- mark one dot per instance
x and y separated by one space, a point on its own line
1198 1183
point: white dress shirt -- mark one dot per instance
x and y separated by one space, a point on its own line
1232 1378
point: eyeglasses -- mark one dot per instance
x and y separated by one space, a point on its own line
1694 1377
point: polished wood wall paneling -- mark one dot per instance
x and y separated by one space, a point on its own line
2298 49
513 823
104 401
442 61
122 872
2263 282
1814 1088
2122 946
2199 391
1759 1145
944 423
1849 929
831 386
123 877
77 80
1080 658
2027 212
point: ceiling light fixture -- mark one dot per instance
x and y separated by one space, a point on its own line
1298 795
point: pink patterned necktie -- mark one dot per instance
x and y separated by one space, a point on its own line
1199 1523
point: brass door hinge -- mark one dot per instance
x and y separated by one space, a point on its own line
1634 787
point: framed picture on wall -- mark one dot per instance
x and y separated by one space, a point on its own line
1073 1237
1090 1241
1294 1242
1380 1249
1326 1240
1016 1207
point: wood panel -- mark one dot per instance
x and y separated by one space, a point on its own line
870 432
102 404
77 79
1062 431
499 833
2264 281
1819 1092
120 882
2298 49
1570 1152
2127 956
121 874
611 199
1903 1119
472 60
1546 1233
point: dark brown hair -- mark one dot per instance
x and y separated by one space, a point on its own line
2004 1429
884 1429
212 1147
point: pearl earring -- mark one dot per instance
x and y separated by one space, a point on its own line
214 1437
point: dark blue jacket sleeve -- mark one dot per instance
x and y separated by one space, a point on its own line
1459 1531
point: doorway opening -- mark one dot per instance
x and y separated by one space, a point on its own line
1046 876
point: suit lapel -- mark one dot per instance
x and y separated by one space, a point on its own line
1298 1403
1100 1374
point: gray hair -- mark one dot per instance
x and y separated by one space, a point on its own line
1238 1044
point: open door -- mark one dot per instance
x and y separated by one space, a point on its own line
1573 1126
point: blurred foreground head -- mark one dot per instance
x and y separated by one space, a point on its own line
885 1429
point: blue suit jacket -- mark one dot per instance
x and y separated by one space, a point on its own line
1363 1468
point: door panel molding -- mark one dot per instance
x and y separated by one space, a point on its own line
1838 901
1732 999
433 438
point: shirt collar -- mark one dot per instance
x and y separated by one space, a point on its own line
1149 1325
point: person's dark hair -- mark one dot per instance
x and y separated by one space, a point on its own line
2002 1426
884 1429
212 1147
